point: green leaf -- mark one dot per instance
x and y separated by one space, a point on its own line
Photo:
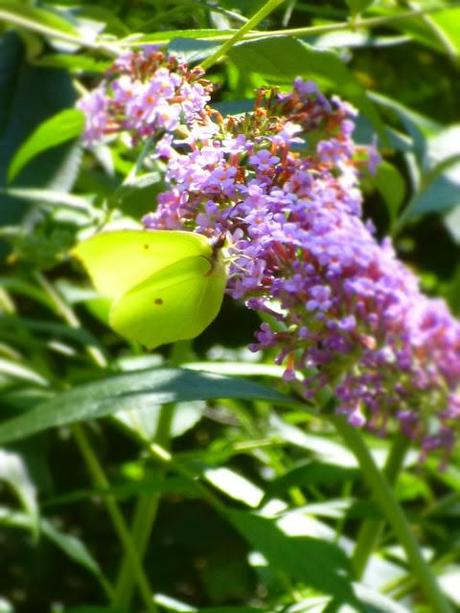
6 606
324 448
234 485
135 390
193 49
448 22
378 603
231 610
166 36
452 224
313 562
59 129
391 186
76 64
358 6
238 369
9 324
144 421
313 474
51 91
91 609
49 198
38 19
135 197
14 471
440 180
21 372
70 545
438 30
281 59
418 126
449 580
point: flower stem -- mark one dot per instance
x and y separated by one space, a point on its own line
101 481
265 10
385 498
146 508
144 517
371 529
306 31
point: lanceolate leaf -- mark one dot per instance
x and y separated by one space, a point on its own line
13 470
29 95
358 6
72 546
64 126
45 21
316 563
137 390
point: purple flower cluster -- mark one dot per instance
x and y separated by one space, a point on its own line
144 93
338 307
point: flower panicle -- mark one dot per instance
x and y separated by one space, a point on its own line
145 92
339 307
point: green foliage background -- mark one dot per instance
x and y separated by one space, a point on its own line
237 497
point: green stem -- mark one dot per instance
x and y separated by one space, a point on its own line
368 22
68 315
146 508
371 530
267 8
206 494
385 498
144 518
101 482
160 453
92 463
22 21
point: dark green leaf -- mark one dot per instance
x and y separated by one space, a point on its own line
438 30
313 562
167 36
135 390
28 96
137 197
14 471
377 603
391 186
231 610
358 6
416 125
90 609
313 474
440 181
60 128
72 546
193 49
76 64
29 16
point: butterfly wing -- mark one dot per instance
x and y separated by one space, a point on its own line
176 303
119 261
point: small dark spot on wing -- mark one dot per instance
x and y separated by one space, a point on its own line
158 301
